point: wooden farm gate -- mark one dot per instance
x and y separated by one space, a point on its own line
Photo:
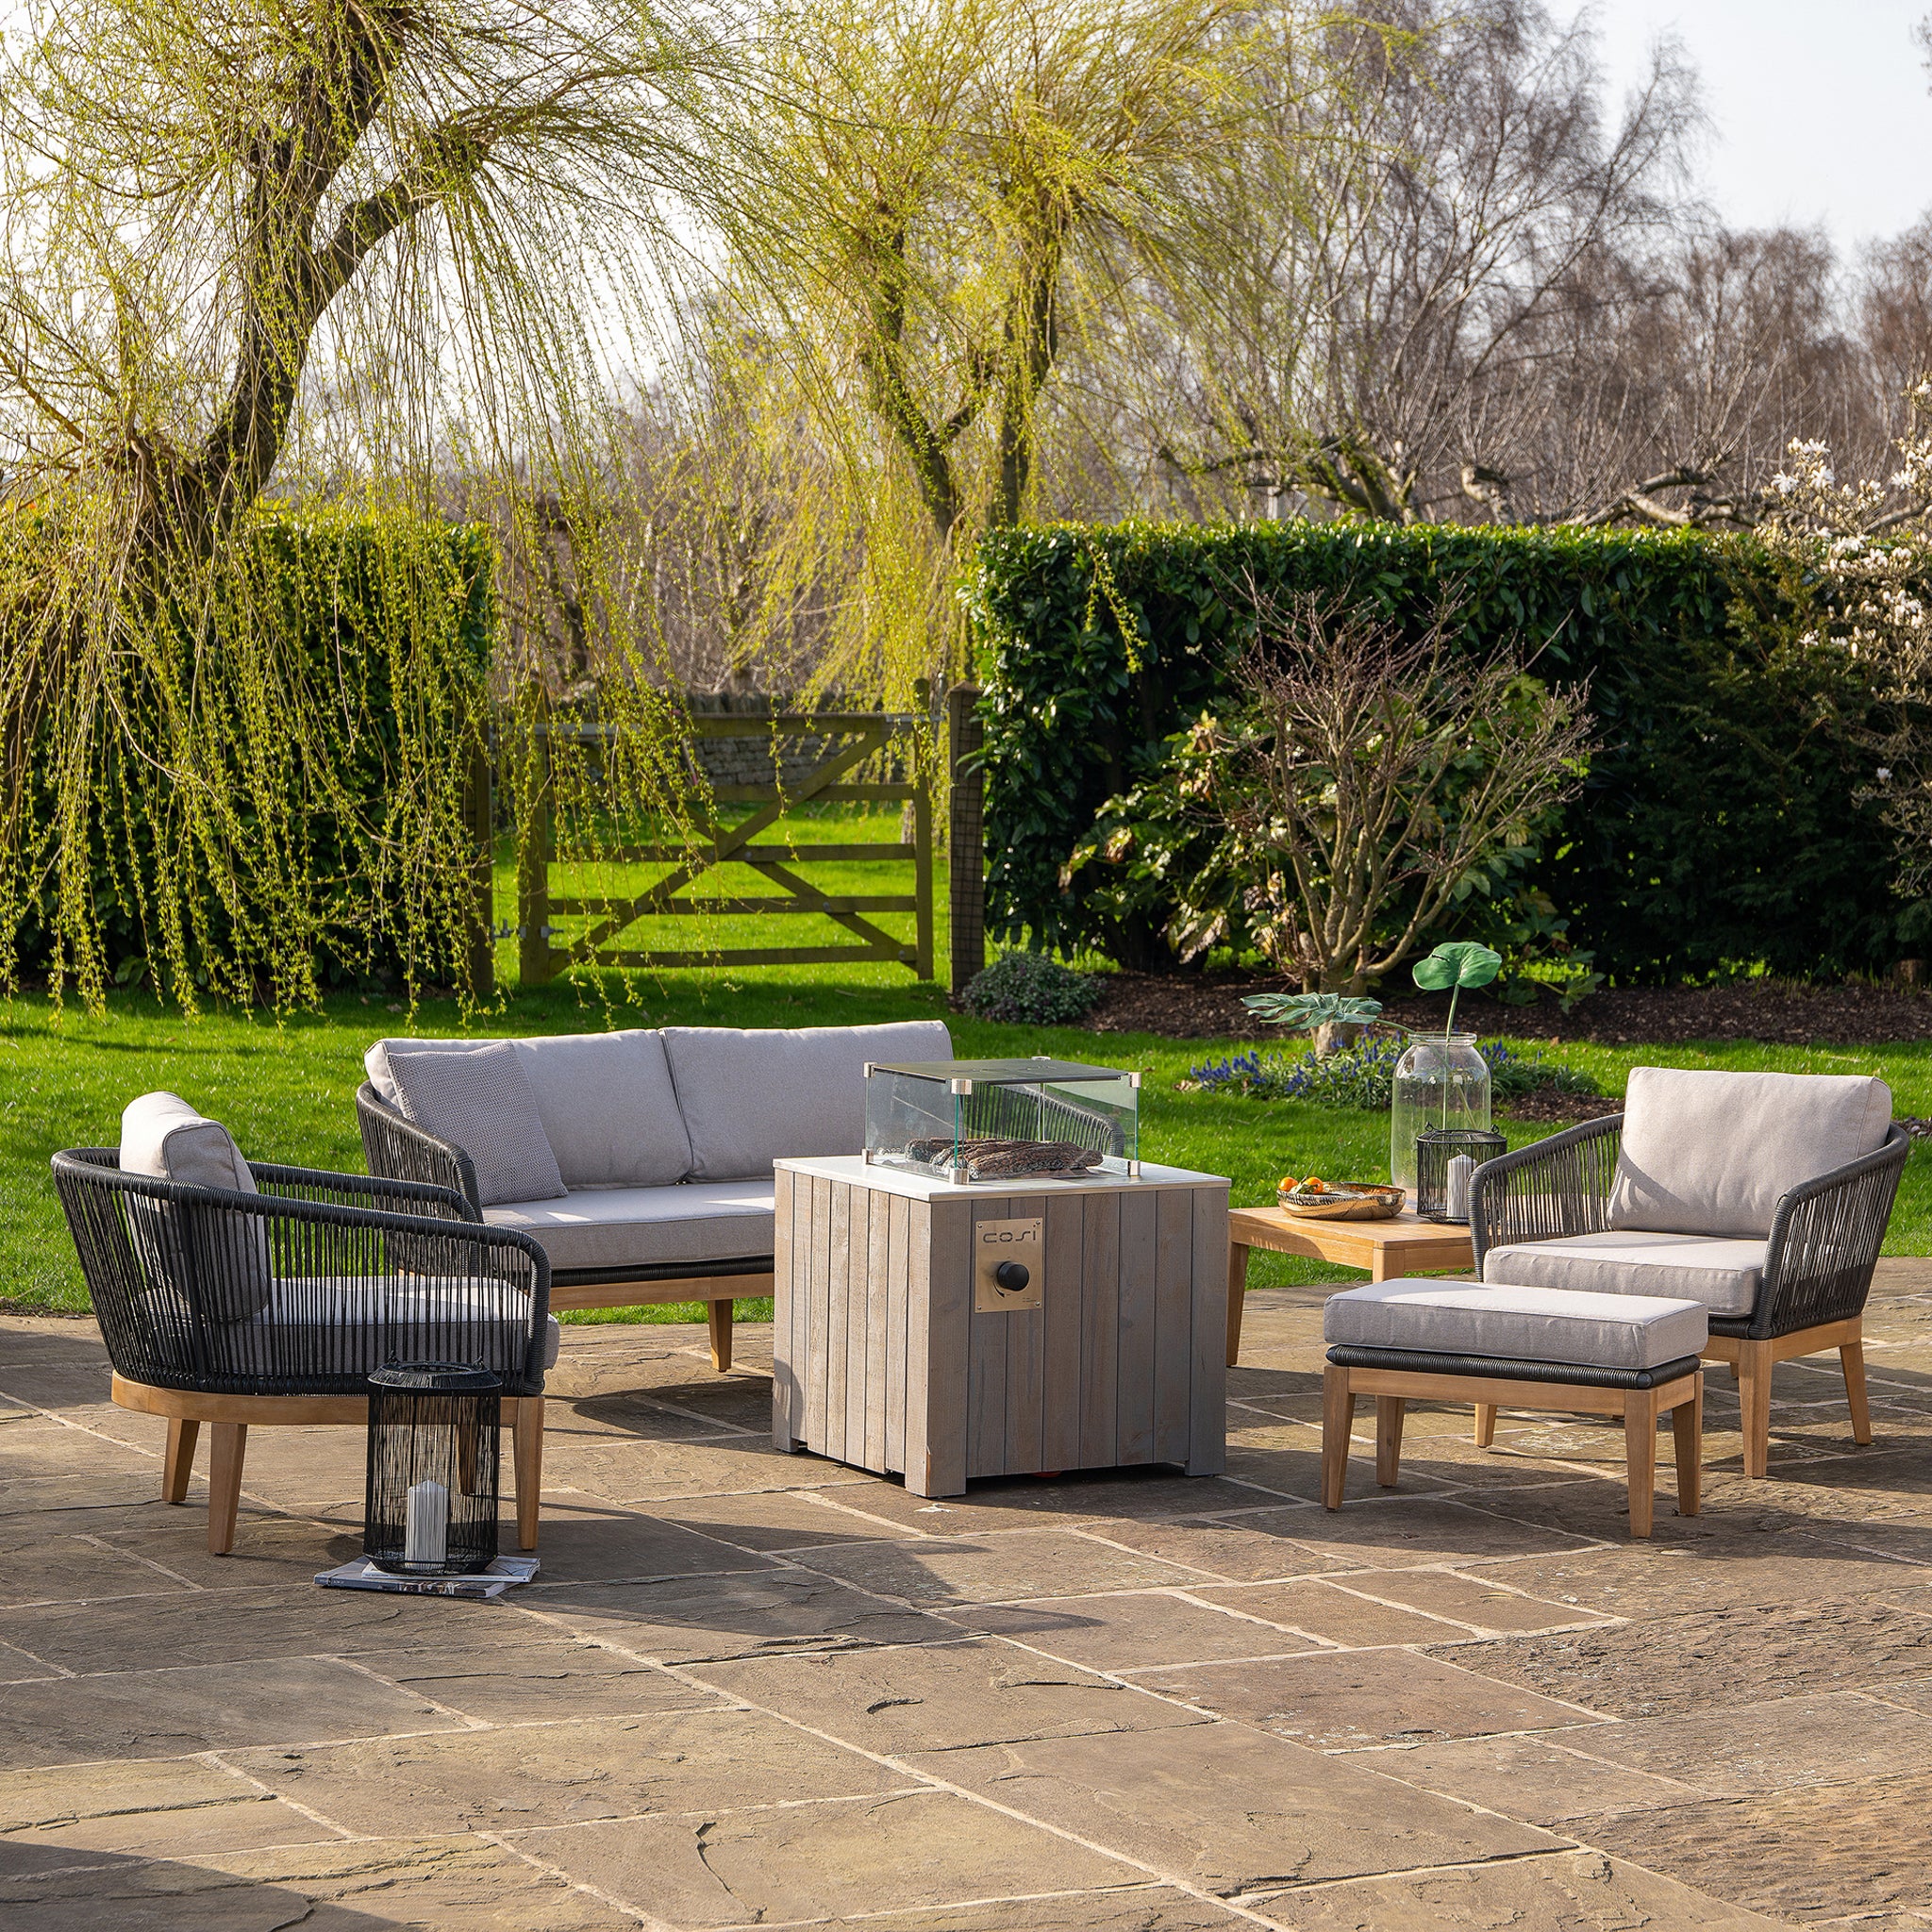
856 737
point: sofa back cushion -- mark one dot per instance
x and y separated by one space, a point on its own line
750 1096
478 1098
1712 1153
216 1260
606 1100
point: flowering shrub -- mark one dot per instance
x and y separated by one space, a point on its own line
1363 1076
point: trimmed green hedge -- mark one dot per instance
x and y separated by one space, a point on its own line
1720 825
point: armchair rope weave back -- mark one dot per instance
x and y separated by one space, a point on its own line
302 1289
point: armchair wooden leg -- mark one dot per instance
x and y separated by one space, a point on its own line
1753 1400
1237 1299
1338 1420
1851 1356
1640 1456
179 1464
1389 1412
720 1316
1485 1424
527 1455
228 1446
1687 1424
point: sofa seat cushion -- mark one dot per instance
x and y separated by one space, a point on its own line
645 1228
1707 1151
1532 1325
608 1110
753 1097
332 1326
1725 1275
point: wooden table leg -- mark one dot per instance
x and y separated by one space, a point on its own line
1237 1296
1687 1424
1338 1422
1389 1412
180 1459
1640 1457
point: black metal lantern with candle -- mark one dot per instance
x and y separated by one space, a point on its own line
1446 1159
430 1506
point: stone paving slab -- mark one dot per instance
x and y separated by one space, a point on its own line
760 1690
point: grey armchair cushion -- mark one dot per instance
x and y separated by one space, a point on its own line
1724 1274
646 1227
1713 1153
219 1262
750 1098
608 1110
1533 1324
479 1099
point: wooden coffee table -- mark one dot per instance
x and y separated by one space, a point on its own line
1405 1245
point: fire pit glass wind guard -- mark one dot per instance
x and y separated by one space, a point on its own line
1003 1120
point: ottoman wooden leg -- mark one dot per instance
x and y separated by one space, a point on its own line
1338 1420
1389 1412
1485 1424
1639 1454
1687 1424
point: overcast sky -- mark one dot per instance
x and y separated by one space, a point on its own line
1819 110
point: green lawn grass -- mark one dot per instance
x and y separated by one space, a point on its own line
286 1089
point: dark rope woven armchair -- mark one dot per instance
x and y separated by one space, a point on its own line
1824 1244
238 1309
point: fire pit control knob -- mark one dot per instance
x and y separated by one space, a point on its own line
1012 1275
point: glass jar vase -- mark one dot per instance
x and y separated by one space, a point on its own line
1441 1081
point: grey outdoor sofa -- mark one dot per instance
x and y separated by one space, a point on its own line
1763 1196
639 1161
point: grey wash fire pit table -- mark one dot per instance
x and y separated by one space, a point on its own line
948 1330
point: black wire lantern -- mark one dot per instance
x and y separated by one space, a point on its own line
1446 1159
430 1508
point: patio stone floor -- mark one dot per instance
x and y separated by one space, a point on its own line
755 1689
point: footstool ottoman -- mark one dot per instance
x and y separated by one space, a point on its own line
1420 1339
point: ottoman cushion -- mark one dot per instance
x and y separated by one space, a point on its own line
1538 1324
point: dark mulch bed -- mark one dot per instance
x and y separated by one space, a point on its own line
1193 1007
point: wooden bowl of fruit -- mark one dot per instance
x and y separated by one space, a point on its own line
1314 1199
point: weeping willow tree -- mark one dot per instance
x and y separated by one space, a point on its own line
257 248
962 199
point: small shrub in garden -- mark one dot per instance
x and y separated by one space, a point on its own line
1032 989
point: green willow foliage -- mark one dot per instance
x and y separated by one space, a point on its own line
1726 819
246 773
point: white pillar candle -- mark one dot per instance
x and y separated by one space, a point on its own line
1460 1167
425 1537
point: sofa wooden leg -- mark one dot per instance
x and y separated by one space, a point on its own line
179 1464
1753 1400
1851 1356
1237 1299
227 1444
1388 1414
718 1314
1338 1421
1485 1424
1640 1457
526 1435
1687 1424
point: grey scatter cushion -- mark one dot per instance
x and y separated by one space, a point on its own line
609 1108
1713 1153
218 1261
751 1097
478 1098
